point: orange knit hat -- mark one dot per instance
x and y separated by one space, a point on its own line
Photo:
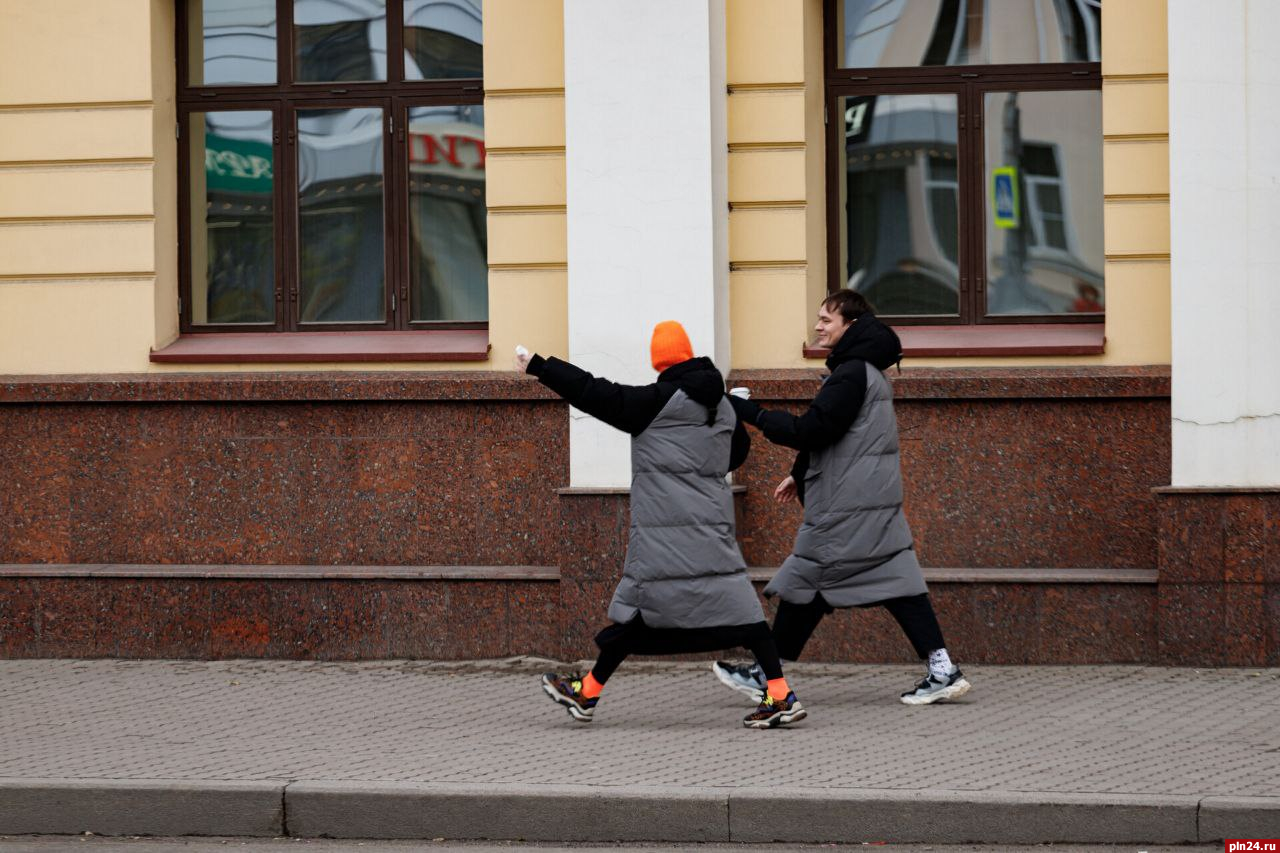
670 345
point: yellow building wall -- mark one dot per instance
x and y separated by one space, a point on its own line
88 186
1135 151
88 195
777 195
777 237
77 186
524 134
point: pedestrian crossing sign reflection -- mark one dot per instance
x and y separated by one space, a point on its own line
1004 196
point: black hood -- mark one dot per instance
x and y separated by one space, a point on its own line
868 340
699 378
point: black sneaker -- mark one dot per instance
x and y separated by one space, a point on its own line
773 713
933 689
566 690
745 678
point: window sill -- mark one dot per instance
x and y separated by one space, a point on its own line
1020 339
295 347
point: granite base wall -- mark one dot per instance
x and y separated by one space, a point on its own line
298 619
1018 469
1219 589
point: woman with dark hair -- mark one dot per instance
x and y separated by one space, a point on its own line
854 546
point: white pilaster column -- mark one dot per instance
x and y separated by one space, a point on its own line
647 191
1224 128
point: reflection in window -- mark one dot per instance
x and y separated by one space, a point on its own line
895 33
340 228
1047 257
231 42
448 271
340 42
442 39
943 187
901 206
1044 196
232 218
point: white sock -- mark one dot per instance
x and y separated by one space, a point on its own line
940 663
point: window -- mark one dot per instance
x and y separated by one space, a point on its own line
965 158
332 165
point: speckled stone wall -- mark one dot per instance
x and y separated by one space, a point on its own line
1219 576
1024 469
1031 468
318 471
308 619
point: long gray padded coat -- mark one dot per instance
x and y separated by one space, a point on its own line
683 568
854 545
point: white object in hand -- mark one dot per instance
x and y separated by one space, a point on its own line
741 392
520 350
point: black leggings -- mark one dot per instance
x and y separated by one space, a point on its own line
636 638
794 624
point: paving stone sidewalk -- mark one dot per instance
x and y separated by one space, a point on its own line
1022 733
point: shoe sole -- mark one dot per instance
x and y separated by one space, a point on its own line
564 701
955 691
782 718
755 693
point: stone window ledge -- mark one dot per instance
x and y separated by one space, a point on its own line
994 340
315 347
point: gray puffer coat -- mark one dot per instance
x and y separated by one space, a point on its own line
854 545
683 566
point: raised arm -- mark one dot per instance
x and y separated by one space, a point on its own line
630 408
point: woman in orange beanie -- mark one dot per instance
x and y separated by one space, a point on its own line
684 584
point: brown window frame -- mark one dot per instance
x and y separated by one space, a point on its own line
969 83
395 96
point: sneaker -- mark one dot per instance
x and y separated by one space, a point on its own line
745 678
566 690
773 713
933 689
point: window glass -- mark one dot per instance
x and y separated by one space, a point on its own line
232 218
901 205
340 40
897 33
442 39
1044 236
341 260
448 241
231 42
348 240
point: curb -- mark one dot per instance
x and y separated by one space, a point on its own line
140 807
961 817
565 813
541 813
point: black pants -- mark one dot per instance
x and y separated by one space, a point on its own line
636 638
794 624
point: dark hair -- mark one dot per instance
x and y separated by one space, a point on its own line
849 303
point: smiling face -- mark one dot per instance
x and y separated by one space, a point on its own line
830 327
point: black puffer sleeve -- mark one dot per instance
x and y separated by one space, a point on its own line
630 408
829 416
740 446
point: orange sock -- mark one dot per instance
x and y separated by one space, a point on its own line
590 687
778 688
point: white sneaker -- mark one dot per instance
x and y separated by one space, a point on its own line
745 678
933 689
